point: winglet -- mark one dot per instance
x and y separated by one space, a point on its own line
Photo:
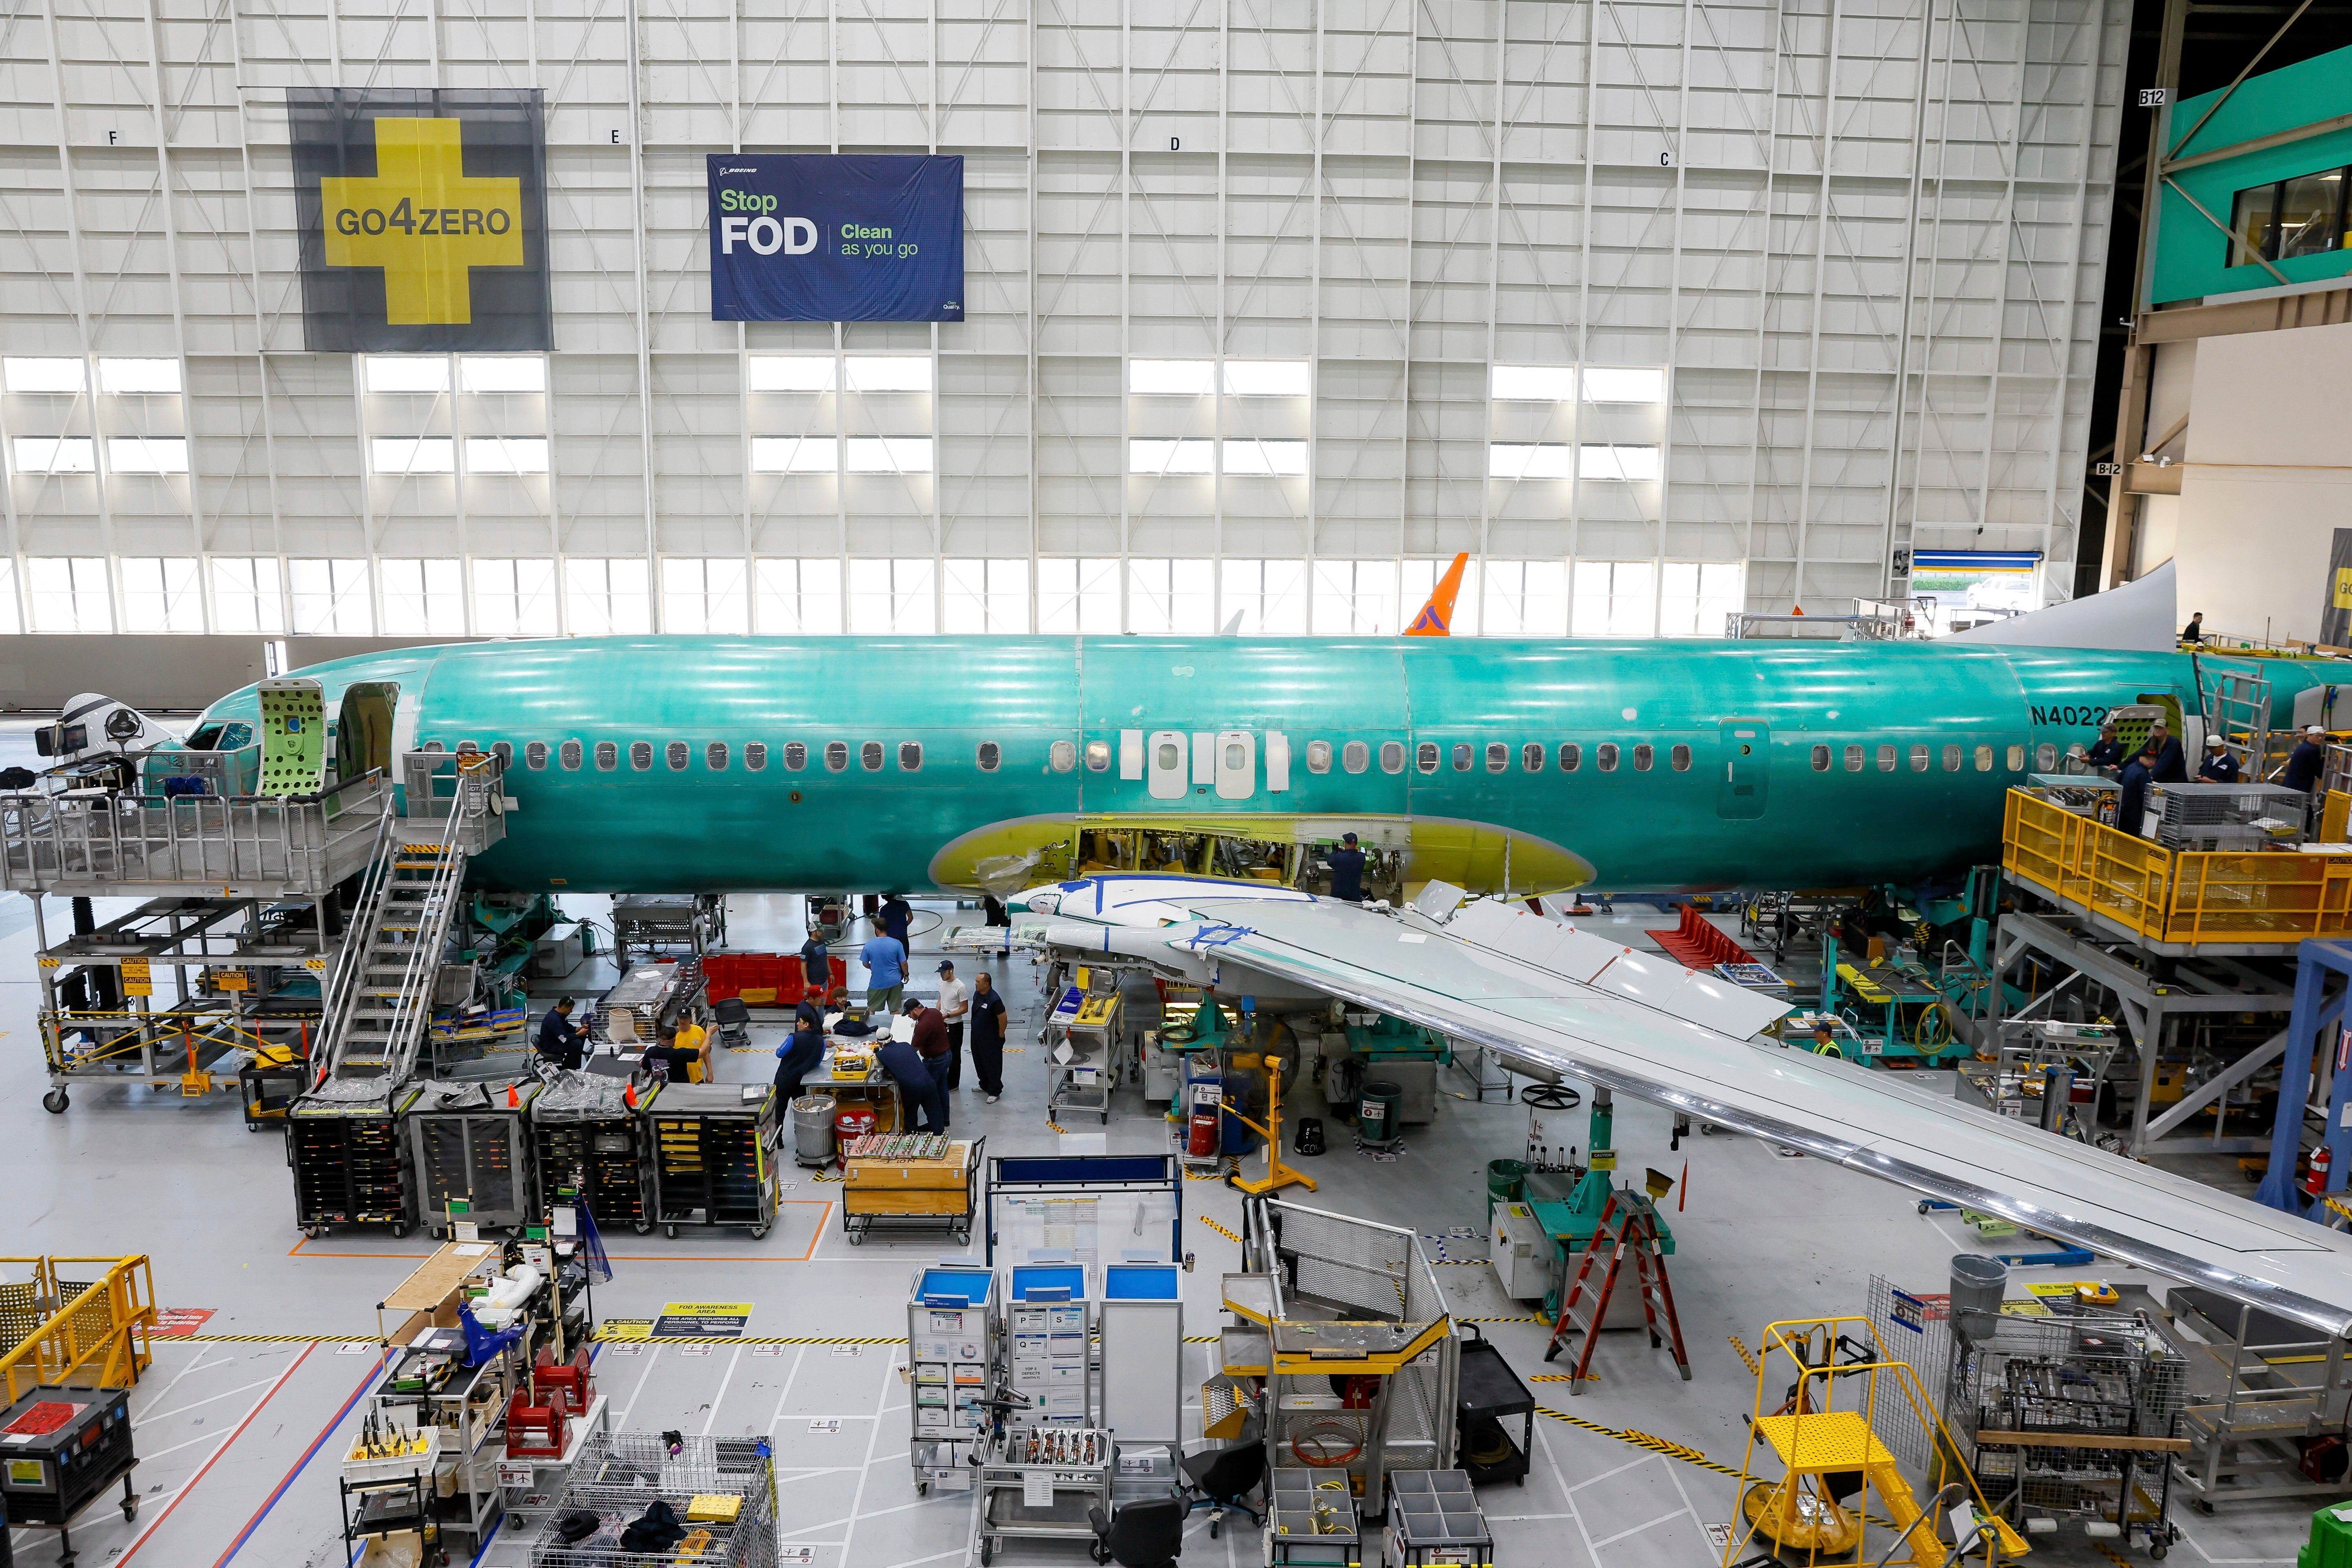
1436 617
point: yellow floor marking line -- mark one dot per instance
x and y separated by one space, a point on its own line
1220 1229
1745 1354
1655 1444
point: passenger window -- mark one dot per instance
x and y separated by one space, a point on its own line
1461 756
1319 756
796 756
755 756
714 756
1570 754
2045 758
1064 756
836 756
1531 758
911 756
1918 759
992 757
435 746
641 755
1681 756
608 756
1820 759
2017 758
1951 759
504 751
1391 756
1425 756
568 754
1355 756
1098 756
1605 756
677 751
1853 759
1172 756
1643 755
534 755
1499 757
869 756
1885 759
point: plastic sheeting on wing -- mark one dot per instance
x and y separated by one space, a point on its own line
2142 616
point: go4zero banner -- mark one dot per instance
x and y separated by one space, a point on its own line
816 236
424 219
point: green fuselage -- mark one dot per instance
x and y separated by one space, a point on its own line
1758 801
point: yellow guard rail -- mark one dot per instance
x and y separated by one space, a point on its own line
2184 897
95 1337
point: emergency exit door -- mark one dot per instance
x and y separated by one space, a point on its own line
1746 749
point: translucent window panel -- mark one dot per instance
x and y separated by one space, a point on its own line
1615 599
1606 384
1171 598
892 596
68 594
422 598
1077 596
1199 457
1695 597
1518 460
56 455
1604 462
1416 580
413 455
2310 214
886 373
246 595
123 376
2255 221
408 372
888 455
704 594
1280 458
607 596
795 454
146 455
1270 596
329 598
984 596
514 597
1171 377
793 373
1524 598
1355 597
55 375
1270 378
506 454
502 373
163 595
1534 383
794 597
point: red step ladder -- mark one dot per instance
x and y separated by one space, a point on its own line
1629 1228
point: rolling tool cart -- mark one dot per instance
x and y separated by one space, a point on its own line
1310 1520
588 1146
59 1448
1434 1517
1040 1482
470 1143
955 1362
911 1181
348 1164
710 1147
1085 1053
1487 1393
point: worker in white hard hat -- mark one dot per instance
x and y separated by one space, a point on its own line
2309 760
2218 767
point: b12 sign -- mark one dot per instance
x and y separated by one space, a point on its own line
812 237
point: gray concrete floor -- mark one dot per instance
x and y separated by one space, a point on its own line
239 1440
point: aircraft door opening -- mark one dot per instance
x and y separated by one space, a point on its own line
1165 765
1747 746
363 728
1236 765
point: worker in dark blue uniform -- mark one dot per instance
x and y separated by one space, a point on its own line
816 963
2218 767
2308 761
2168 764
2107 752
798 1056
917 1089
893 917
2195 630
1346 863
2131 806
558 1042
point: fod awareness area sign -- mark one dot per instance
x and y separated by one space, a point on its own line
835 238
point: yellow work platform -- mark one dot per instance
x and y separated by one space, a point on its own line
1824 1441
1864 986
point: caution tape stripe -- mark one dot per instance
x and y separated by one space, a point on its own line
607 1337
265 1339
1650 1441
1745 1354
1220 1229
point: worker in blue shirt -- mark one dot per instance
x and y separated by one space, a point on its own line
797 1058
558 1042
2131 806
2166 764
917 1089
1346 863
2308 761
2218 767
2107 752
885 957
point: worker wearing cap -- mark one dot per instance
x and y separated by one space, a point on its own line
2107 752
1346 863
798 1056
955 1007
672 1057
2167 765
2310 759
2218 767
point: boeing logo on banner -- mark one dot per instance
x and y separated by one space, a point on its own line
836 237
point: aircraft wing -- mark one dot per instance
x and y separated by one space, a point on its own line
1555 1000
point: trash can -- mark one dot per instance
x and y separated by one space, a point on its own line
851 1123
813 1130
1376 1114
1507 1179
1979 1283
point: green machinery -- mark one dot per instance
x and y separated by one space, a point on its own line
1567 1205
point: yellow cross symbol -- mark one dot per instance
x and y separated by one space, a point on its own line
422 221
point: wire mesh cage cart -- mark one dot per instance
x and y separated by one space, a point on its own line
716 1491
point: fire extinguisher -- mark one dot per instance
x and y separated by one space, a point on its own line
1202 1140
2315 1180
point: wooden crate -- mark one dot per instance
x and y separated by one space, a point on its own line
910 1186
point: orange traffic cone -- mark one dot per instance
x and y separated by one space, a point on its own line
514 1099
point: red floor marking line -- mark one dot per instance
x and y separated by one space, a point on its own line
190 1485
301 1464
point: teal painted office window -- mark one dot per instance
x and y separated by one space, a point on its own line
2304 215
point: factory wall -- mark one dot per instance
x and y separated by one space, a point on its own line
40 673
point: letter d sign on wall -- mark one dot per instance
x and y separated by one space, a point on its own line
835 238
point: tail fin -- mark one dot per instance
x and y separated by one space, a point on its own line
1436 617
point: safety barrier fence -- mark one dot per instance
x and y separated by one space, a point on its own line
2173 896
64 1332
84 1040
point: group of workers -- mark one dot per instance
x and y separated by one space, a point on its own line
925 1056
678 1051
2159 761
